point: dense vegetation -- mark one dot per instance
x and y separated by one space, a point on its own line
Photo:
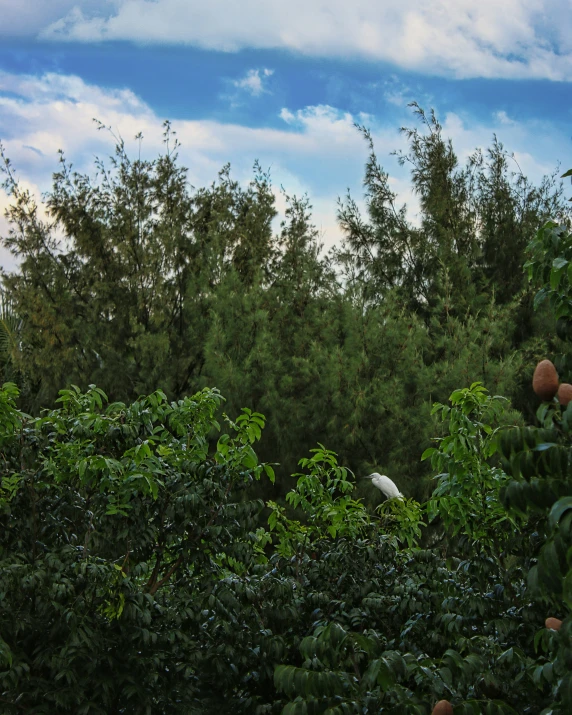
138 282
151 561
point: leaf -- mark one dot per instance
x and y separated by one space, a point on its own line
558 510
543 446
5 654
369 678
567 589
555 277
428 452
539 298
249 458
565 692
385 677
446 675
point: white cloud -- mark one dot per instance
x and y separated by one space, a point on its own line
318 151
21 18
40 115
503 118
512 39
253 83
54 111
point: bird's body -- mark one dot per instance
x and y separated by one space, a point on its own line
385 485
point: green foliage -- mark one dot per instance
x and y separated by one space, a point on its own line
426 627
538 459
116 527
467 497
324 496
161 285
346 672
550 256
475 225
10 339
124 302
135 571
403 518
136 581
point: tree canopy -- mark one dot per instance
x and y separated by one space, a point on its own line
165 549
137 281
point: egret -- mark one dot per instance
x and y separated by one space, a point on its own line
385 485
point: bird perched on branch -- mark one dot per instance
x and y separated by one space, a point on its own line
385 485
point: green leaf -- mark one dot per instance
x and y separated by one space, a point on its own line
427 453
567 589
555 277
539 298
565 692
558 510
559 263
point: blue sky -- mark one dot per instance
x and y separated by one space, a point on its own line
283 82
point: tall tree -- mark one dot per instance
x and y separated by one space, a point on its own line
475 223
115 288
137 281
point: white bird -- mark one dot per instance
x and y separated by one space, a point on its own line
385 485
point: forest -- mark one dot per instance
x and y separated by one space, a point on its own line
190 399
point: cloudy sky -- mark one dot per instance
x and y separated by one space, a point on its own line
284 83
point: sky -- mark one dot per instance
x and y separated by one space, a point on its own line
283 83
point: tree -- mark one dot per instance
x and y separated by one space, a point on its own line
116 527
538 459
135 582
124 300
471 218
137 281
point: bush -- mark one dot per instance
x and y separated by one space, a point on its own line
136 577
